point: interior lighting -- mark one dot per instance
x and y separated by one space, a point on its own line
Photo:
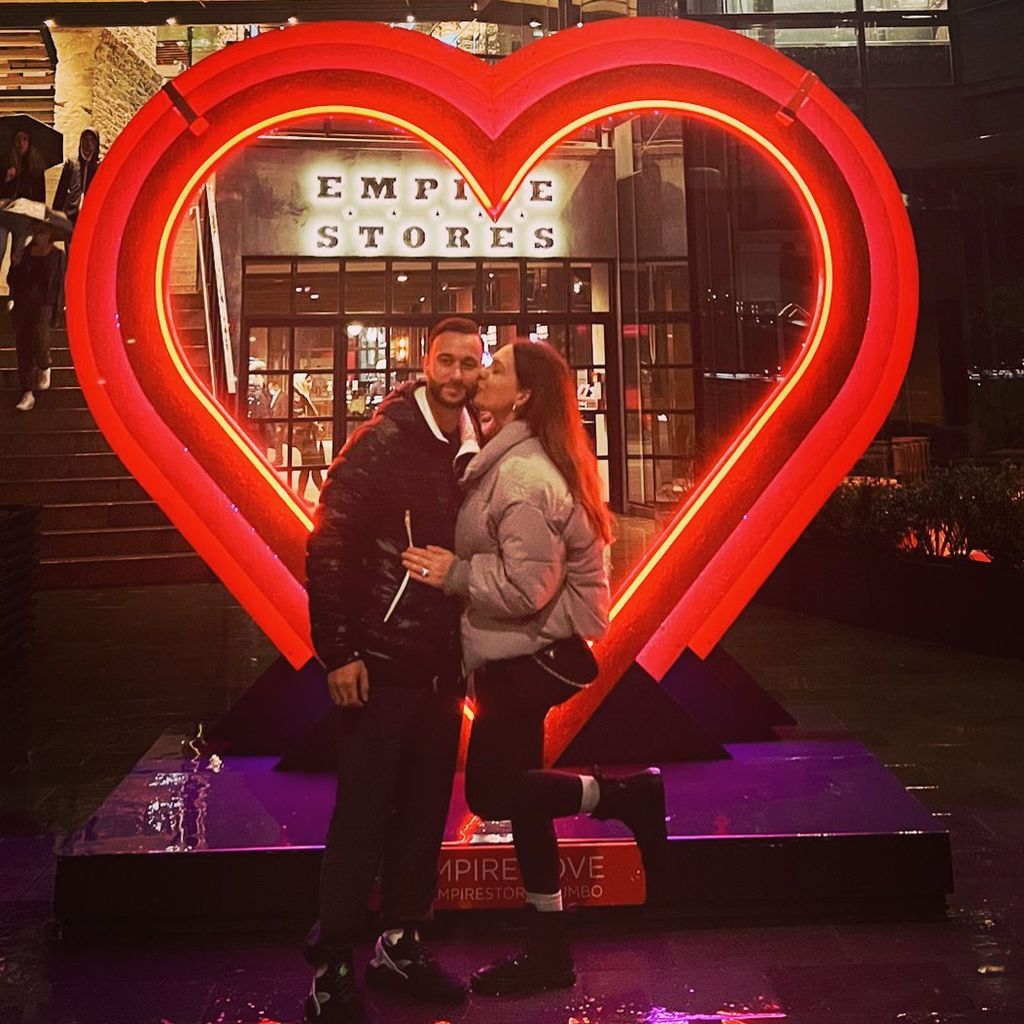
534 23
172 20
354 330
401 278
538 33
293 20
410 19
50 23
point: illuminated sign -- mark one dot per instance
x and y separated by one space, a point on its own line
493 125
427 211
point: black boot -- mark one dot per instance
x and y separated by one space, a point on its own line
638 801
544 964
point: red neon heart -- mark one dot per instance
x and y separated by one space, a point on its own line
494 124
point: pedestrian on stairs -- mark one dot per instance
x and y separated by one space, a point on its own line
22 171
34 280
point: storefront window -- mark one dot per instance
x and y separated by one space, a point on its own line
915 52
411 288
545 287
905 5
365 286
501 287
456 287
408 350
363 393
829 51
268 288
316 287
589 288
769 7
314 347
268 346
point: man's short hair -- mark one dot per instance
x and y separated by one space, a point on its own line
456 325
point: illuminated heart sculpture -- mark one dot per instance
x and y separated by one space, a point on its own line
493 124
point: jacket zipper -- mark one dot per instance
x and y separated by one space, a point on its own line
405 580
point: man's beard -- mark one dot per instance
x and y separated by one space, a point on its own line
437 393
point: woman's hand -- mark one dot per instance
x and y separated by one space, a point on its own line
428 565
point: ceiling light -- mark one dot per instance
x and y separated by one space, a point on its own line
293 20
354 330
401 278
534 23
172 21
410 19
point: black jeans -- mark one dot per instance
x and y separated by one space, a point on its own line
505 778
32 340
396 762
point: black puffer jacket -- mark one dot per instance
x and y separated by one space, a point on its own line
393 466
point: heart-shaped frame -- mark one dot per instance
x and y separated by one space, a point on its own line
493 124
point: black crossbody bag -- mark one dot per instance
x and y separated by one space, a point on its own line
570 661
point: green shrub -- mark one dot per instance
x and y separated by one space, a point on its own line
953 512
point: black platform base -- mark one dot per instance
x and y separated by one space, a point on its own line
808 824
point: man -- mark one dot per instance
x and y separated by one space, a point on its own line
393 665
76 175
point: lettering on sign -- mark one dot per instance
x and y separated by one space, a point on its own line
610 875
426 214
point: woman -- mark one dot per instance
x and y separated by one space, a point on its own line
34 280
306 435
21 177
529 564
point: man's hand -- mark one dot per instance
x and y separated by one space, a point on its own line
350 685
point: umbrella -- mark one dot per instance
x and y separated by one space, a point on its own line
48 141
28 215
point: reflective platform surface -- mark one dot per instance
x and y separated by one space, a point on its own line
808 822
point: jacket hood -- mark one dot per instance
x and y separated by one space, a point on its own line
96 138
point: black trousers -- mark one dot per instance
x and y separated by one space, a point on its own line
505 778
396 762
32 341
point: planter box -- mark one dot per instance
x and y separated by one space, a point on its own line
969 605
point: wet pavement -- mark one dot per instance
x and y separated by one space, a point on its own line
113 670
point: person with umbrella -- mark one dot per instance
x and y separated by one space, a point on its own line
34 280
21 177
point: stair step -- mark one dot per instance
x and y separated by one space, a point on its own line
60 377
101 515
55 398
51 467
60 357
53 442
89 491
112 541
122 571
42 419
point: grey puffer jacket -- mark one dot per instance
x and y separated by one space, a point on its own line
528 564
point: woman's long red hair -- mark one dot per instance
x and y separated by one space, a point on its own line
552 414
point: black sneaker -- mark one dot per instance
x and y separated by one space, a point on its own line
407 967
333 998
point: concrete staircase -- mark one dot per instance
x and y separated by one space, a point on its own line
99 527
